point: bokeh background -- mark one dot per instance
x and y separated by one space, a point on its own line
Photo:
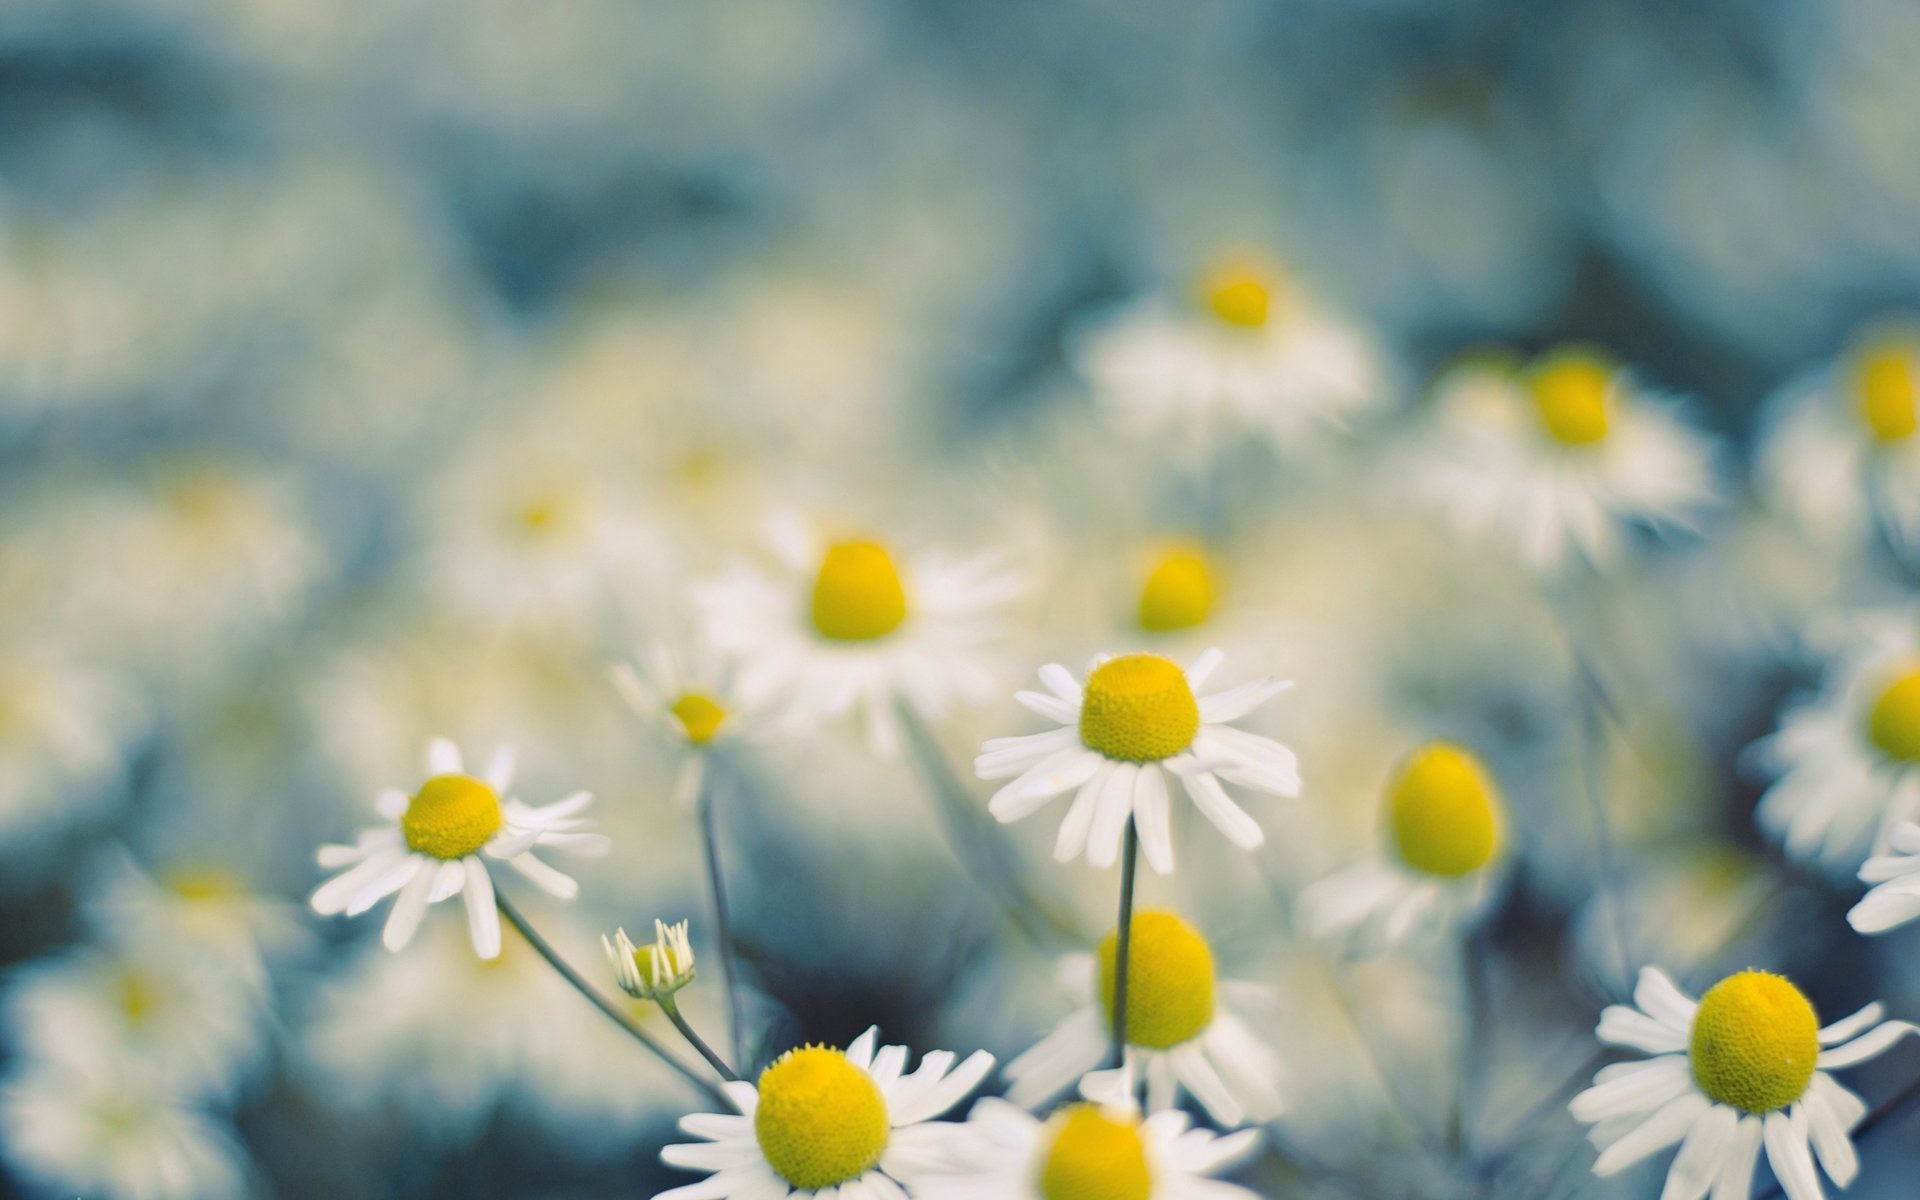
379 369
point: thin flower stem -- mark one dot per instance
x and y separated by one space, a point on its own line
1123 935
1868 1123
723 926
613 1011
672 1009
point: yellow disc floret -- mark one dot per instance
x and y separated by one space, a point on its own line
1885 387
1238 296
1169 981
1755 1041
1138 708
821 1121
1094 1157
1443 810
858 595
1894 723
1570 390
451 817
1178 594
699 717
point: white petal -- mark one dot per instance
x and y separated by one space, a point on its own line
483 920
1061 683
1229 818
1053 708
499 773
391 804
1666 1126
1199 1077
443 757
1905 837
1735 1181
1235 703
1786 1141
448 878
1886 907
389 882
1203 667
1624 1089
1876 1041
1852 1026
1072 839
1058 772
1004 757
1624 1025
1825 1126
1660 999
407 910
1111 815
335 894
860 1054
1883 867
943 1092
1702 1155
1151 818
548 880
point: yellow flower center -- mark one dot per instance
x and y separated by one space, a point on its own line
1570 390
1885 387
699 716
1443 811
137 997
858 596
821 1120
1755 1041
1178 595
1894 723
1138 708
1094 1157
451 817
1238 296
1169 981
205 885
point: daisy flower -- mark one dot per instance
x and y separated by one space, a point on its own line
433 848
850 1124
1252 352
1839 457
1179 1035
1847 762
1101 1149
1138 719
849 625
1743 1066
1895 898
1178 592
693 706
1558 458
1443 818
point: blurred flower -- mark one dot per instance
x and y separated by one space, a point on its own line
1895 898
1254 353
667 965
433 849
1557 459
847 625
820 1120
1443 812
1178 592
1178 1033
1138 715
1745 1064
66 731
695 707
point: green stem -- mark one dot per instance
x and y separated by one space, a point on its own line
723 935
1122 938
668 1006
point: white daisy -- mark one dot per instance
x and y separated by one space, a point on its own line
66 734
696 707
1745 1065
1179 1034
1443 814
1895 898
823 1122
1847 762
1839 456
433 848
1138 719
1095 1149
849 626
1254 353
1556 459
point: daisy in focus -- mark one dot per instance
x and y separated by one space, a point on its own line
1138 719
1250 352
1744 1066
1557 459
695 707
1098 1149
852 1124
1847 762
433 849
1179 1035
1839 456
1444 824
847 625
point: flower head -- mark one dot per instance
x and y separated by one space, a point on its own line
659 969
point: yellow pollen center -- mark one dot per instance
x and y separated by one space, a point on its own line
1894 724
137 999
1570 391
1238 296
1169 981
699 716
1178 594
1885 386
1755 1041
205 885
858 596
451 817
1443 810
821 1121
1094 1157
1138 708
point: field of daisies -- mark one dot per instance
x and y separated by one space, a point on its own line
910 600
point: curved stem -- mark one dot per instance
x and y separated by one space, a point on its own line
613 1011
723 927
1123 935
668 1006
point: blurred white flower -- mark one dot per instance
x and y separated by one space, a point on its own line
1744 1065
823 1122
1137 719
1557 460
1180 1034
1895 897
66 731
847 625
433 848
695 706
